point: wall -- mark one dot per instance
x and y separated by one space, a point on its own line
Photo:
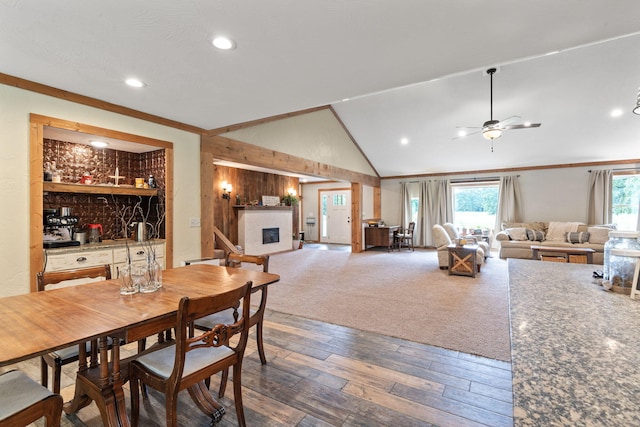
310 205
559 194
317 135
15 107
247 186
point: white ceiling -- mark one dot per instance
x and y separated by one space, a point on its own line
411 68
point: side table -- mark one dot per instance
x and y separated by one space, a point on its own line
462 260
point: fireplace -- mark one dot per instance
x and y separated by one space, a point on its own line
270 235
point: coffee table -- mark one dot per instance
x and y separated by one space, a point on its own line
462 260
567 251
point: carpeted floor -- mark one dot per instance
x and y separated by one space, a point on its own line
401 294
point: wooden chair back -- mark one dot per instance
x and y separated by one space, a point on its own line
412 227
191 309
52 277
236 260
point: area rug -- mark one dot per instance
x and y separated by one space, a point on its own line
400 294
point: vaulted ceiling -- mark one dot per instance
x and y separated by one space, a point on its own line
411 69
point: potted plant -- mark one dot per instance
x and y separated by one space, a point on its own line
290 200
297 243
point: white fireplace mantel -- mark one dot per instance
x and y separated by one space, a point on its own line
253 219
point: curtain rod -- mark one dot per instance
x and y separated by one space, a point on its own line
619 169
461 180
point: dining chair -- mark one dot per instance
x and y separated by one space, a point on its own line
194 357
62 357
235 260
23 401
405 237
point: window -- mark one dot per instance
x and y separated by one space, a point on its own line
414 209
475 205
626 197
339 200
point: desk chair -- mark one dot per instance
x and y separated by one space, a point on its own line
195 358
59 358
257 316
405 236
23 401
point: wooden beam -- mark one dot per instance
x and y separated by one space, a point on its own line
93 102
235 151
356 218
520 169
252 123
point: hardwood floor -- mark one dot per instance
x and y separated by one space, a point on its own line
319 374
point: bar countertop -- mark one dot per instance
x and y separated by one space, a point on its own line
105 244
574 348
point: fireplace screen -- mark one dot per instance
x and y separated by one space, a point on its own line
270 235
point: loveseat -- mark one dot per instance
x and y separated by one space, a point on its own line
516 239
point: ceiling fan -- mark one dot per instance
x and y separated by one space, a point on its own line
492 129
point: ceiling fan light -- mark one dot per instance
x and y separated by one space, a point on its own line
492 133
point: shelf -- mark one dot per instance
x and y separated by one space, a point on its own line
59 187
262 208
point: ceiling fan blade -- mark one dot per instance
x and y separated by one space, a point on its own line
522 126
509 120
469 134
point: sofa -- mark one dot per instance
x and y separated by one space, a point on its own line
516 238
441 240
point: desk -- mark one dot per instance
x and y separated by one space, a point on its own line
380 236
59 318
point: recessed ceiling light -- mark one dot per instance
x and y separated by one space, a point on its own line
98 144
616 112
527 124
224 43
462 133
135 82
404 141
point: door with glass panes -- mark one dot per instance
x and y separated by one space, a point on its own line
335 207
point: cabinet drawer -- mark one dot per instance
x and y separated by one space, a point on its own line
138 253
80 259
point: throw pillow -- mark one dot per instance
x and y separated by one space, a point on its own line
599 235
517 233
535 235
578 237
558 230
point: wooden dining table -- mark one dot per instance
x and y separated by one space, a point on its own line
40 322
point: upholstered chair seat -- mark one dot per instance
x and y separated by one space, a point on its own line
23 401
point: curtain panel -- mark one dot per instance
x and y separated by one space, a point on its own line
438 204
509 201
600 202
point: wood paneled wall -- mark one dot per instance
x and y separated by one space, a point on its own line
247 186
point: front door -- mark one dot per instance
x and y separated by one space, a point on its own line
335 218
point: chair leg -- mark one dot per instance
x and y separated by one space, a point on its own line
44 373
171 410
263 358
135 400
237 394
57 374
223 382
